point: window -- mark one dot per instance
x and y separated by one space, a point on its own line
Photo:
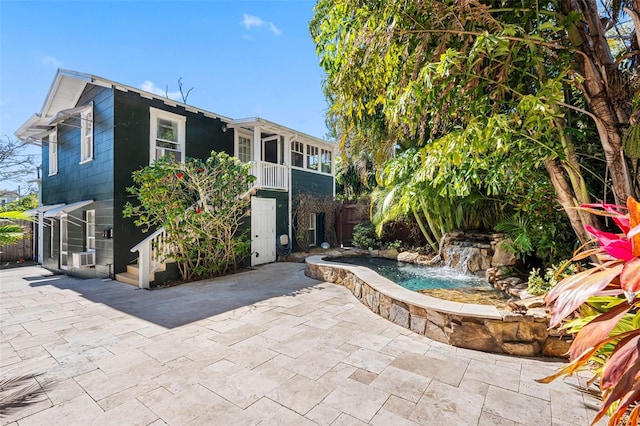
245 145
325 161
91 229
297 154
312 229
167 135
312 157
86 143
53 152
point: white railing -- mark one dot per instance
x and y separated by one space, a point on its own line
270 175
151 255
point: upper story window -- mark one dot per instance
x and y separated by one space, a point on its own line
167 135
312 157
86 142
297 154
325 161
245 146
53 152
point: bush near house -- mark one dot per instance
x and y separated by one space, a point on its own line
198 204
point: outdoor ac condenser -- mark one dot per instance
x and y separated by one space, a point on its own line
83 259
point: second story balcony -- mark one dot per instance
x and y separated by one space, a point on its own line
270 176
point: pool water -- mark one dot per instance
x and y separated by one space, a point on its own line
416 277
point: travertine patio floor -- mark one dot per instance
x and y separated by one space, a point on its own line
268 346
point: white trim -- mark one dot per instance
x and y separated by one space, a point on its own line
53 152
236 142
63 114
90 237
156 114
66 208
313 226
86 134
311 171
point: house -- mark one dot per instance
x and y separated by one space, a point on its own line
95 133
7 197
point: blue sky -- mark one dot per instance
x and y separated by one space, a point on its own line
242 58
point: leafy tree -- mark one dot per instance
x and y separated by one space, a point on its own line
198 204
21 204
486 92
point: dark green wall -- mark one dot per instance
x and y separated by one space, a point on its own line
310 183
77 182
303 182
132 139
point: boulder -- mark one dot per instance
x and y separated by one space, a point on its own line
502 256
388 254
407 256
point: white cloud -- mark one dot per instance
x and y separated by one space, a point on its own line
250 21
150 86
52 60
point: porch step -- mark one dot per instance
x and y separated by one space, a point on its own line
127 278
133 273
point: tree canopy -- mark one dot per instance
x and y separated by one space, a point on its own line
485 97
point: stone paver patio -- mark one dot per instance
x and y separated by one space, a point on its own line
268 346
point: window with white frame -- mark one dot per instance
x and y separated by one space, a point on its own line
312 157
86 143
297 154
91 229
325 161
167 135
245 146
53 152
312 229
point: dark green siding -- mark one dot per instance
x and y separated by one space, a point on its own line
77 182
132 139
303 182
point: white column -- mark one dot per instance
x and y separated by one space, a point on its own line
257 143
40 237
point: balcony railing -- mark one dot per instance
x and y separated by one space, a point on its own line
270 176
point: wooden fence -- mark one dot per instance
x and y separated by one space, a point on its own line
347 217
23 249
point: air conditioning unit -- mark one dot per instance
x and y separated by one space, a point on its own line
83 259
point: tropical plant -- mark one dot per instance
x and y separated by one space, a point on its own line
10 230
365 237
602 304
199 206
487 93
540 283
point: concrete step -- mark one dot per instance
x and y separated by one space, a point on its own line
127 278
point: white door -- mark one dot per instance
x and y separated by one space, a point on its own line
64 241
263 230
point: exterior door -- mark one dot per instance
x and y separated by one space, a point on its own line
64 241
263 230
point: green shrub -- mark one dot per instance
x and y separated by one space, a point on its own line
539 285
364 236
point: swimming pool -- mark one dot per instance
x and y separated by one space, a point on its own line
416 277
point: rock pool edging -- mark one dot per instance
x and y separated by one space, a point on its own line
479 327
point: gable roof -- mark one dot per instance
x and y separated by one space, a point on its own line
65 91
68 85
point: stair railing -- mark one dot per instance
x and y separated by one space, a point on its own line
151 255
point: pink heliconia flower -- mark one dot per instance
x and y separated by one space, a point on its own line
614 244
